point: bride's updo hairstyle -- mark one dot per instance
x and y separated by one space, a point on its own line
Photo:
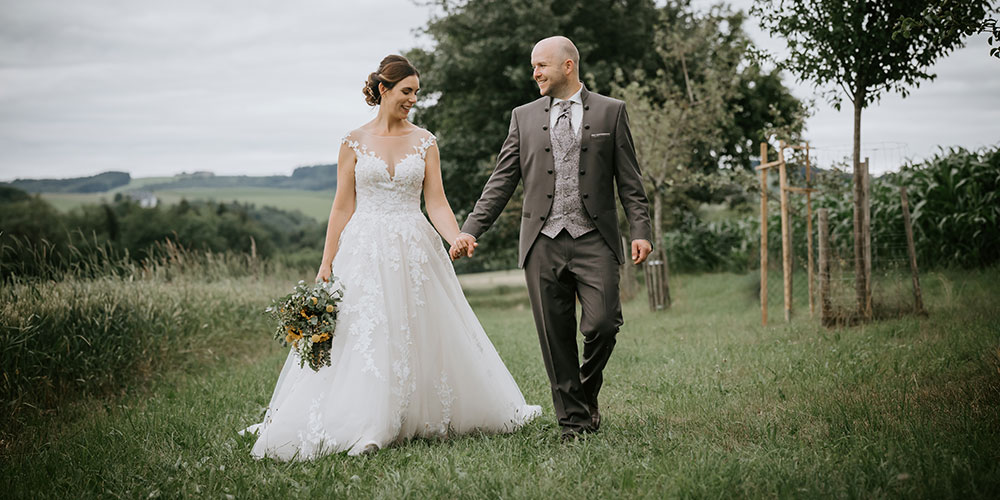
391 70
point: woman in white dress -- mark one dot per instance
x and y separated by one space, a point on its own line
409 357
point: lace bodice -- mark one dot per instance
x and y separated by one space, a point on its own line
389 173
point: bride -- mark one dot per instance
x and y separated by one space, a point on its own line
409 357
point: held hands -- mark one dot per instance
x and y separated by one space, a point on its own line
463 246
640 250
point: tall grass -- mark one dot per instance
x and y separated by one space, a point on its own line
699 401
103 322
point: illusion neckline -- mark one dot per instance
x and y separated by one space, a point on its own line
415 130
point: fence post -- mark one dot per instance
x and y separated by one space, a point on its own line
763 235
825 308
647 270
918 301
657 288
665 272
786 251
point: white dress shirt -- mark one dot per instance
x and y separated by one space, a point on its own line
575 111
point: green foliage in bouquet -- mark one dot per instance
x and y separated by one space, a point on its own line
307 319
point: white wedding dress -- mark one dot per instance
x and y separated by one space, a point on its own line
409 356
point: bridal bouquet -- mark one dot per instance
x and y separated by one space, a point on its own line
307 318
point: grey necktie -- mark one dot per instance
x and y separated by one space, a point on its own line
563 131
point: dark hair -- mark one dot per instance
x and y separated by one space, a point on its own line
391 70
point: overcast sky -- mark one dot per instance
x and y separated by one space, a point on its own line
260 87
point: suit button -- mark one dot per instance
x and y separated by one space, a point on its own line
582 172
586 108
550 195
550 170
547 149
583 148
586 127
585 196
595 216
542 217
546 110
545 127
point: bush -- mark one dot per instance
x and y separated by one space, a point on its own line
715 246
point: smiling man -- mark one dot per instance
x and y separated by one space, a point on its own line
571 147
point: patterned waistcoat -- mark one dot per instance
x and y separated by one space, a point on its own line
567 208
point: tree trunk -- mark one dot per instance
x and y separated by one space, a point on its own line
860 278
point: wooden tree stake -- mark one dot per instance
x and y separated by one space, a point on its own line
809 236
786 251
826 308
918 300
867 239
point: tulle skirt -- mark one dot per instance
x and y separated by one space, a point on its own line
409 356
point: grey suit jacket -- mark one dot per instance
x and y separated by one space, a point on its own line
607 158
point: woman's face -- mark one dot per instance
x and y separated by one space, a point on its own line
401 97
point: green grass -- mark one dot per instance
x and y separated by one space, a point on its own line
316 204
699 401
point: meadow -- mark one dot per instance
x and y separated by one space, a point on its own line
699 401
315 204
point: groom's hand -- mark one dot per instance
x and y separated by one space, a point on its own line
465 244
640 250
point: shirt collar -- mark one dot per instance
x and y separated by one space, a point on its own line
573 98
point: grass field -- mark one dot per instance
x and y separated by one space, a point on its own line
315 204
699 401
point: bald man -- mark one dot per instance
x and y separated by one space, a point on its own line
571 148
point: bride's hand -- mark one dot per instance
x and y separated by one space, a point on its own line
323 274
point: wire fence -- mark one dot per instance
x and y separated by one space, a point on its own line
888 264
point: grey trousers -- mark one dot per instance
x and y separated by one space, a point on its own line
559 271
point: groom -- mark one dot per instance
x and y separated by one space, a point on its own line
571 147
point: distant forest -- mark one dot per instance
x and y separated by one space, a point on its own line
94 184
38 240
313 177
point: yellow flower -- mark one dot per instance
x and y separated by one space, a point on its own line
314 300
329 308
316 339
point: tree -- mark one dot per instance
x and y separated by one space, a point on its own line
867 48
477 71
703 109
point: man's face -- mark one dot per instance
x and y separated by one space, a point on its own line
547 70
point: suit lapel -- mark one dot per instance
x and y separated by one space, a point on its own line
584 126
547 156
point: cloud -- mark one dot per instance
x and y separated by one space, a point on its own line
260 87
247 87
